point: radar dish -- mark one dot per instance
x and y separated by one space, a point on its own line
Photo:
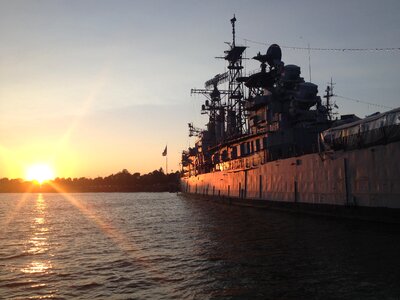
274 54
262 58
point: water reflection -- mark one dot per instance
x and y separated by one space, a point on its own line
38 243
37 267
183 249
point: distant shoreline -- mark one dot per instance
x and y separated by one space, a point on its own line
122 182
86 192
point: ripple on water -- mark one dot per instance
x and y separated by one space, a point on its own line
160 246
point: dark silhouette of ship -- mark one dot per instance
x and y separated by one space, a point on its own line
271 140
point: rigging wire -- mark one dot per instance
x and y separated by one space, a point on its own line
364 102
389 49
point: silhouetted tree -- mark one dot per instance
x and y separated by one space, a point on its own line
123 181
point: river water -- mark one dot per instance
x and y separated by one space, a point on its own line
164 246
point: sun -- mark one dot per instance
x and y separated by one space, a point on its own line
39 173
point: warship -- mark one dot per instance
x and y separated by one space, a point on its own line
271 141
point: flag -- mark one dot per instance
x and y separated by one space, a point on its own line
165 151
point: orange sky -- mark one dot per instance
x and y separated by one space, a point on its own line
94 87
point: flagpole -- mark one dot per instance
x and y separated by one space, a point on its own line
165 153
166 163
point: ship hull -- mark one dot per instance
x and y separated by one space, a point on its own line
362 178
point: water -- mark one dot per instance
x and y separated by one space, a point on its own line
162 246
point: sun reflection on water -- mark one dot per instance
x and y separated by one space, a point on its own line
37 267
39 220
38 243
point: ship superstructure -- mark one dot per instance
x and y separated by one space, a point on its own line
273 108
269 136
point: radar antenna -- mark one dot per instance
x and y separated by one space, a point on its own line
218 79
194 131
328 96
213 103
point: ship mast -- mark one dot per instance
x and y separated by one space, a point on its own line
233 20
328 96
235 107
227 116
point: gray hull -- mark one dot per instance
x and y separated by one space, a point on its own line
367 178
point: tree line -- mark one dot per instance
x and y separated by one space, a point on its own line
156 181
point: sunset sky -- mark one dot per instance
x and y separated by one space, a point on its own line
93 87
